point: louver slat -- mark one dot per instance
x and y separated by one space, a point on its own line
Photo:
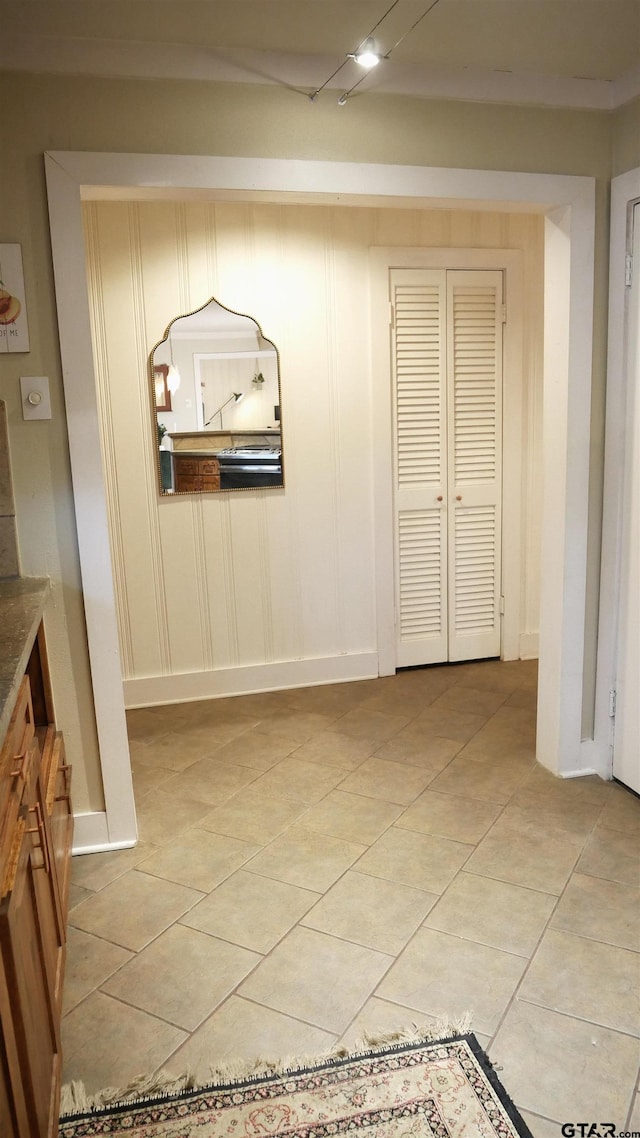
420 589
475 331
475 570
418 367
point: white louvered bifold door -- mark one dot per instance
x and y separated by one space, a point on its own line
474 447
447 399
418 359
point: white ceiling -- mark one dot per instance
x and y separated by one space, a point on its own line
581 53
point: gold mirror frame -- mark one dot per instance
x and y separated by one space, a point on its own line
203 461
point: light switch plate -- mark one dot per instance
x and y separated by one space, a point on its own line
36 400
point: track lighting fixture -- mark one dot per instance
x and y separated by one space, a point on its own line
367 54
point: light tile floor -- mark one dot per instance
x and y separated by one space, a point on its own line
326 861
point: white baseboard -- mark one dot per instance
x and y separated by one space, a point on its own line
592 760
188 686
91 834
529 645
596 759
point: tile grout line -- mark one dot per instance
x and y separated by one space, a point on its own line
353 867
514 997
194 826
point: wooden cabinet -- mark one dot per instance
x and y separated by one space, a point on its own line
35 844
194 473
56 784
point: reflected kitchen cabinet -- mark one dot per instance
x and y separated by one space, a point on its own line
193 474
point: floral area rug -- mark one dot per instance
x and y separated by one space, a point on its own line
423 1089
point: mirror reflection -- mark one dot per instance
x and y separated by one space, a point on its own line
215 382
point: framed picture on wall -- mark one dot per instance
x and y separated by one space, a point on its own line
14 331
163 395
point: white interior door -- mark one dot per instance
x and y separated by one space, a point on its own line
447 369
474 435
420 467
626 754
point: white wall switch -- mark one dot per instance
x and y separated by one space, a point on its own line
36 400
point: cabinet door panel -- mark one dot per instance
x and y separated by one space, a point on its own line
58 799
32 951
14 1121
46 893
185 465
32 1011
186 484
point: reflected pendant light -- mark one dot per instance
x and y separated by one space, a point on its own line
173 375
173 379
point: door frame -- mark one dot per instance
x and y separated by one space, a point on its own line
567 202
625 191
509 261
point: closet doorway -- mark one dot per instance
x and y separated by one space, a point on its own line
446 353
457 486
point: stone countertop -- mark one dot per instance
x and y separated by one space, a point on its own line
198 453
192 453
22 602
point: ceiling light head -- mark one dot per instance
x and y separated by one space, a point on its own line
342 100
366 55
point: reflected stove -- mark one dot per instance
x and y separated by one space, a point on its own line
253 465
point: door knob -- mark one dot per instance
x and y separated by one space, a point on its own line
458 497
439 498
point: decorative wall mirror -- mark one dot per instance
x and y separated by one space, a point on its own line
215 390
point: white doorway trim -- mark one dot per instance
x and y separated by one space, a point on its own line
381 261
625 190
569 205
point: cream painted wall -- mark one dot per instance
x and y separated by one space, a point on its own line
68 113
272 576
626 138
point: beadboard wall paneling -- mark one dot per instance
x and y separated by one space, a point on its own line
522 233
213 584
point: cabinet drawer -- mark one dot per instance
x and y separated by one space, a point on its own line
210 483
209 466
13 762
21 728
187 485
185 465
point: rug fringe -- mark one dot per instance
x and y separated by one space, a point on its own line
74 1098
